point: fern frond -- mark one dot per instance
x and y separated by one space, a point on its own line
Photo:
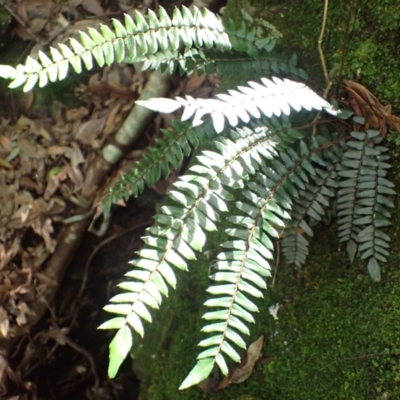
314 170
247 40
274 97
158 161
362 203
233 67
242 267
192 207
133 41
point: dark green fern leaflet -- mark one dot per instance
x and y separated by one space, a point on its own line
236 68
315 176
362 201
156 164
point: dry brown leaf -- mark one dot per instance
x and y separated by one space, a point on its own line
28 183
37 24
110 125
89 131
76 114
45 229
5 164
58 150
93 6
4 322
76 156
35 151
6 143
28 100
210 384
365 104
238 373
194 82
74 3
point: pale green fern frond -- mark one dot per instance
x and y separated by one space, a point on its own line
270 98
193 206
133 41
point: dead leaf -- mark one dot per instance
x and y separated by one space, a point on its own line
110 122
5 164
210 384
28 100
238 373
93 6
76 155
76 114
194 82
45 229
33 150
365 104
89 131
4 322
6 143
37 24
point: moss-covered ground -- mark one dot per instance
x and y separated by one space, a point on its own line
337 336
361 40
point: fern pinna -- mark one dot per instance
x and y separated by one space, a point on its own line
288 178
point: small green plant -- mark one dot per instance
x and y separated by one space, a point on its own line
266 173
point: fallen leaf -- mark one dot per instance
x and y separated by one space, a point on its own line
93 6
76 114
210 384
194 82
89 131
238 373
365 104
110 125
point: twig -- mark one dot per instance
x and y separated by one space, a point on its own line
278 251
20 20
321 55
346 39
103 243
87 355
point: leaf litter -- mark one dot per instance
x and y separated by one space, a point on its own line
44 160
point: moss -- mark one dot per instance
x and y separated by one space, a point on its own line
337 333
336 337
364 35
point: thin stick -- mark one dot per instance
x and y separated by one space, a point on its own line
21 21
116 235
87 355
346 38
321 55
278 251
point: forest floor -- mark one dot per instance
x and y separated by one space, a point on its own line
49 345
49 138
